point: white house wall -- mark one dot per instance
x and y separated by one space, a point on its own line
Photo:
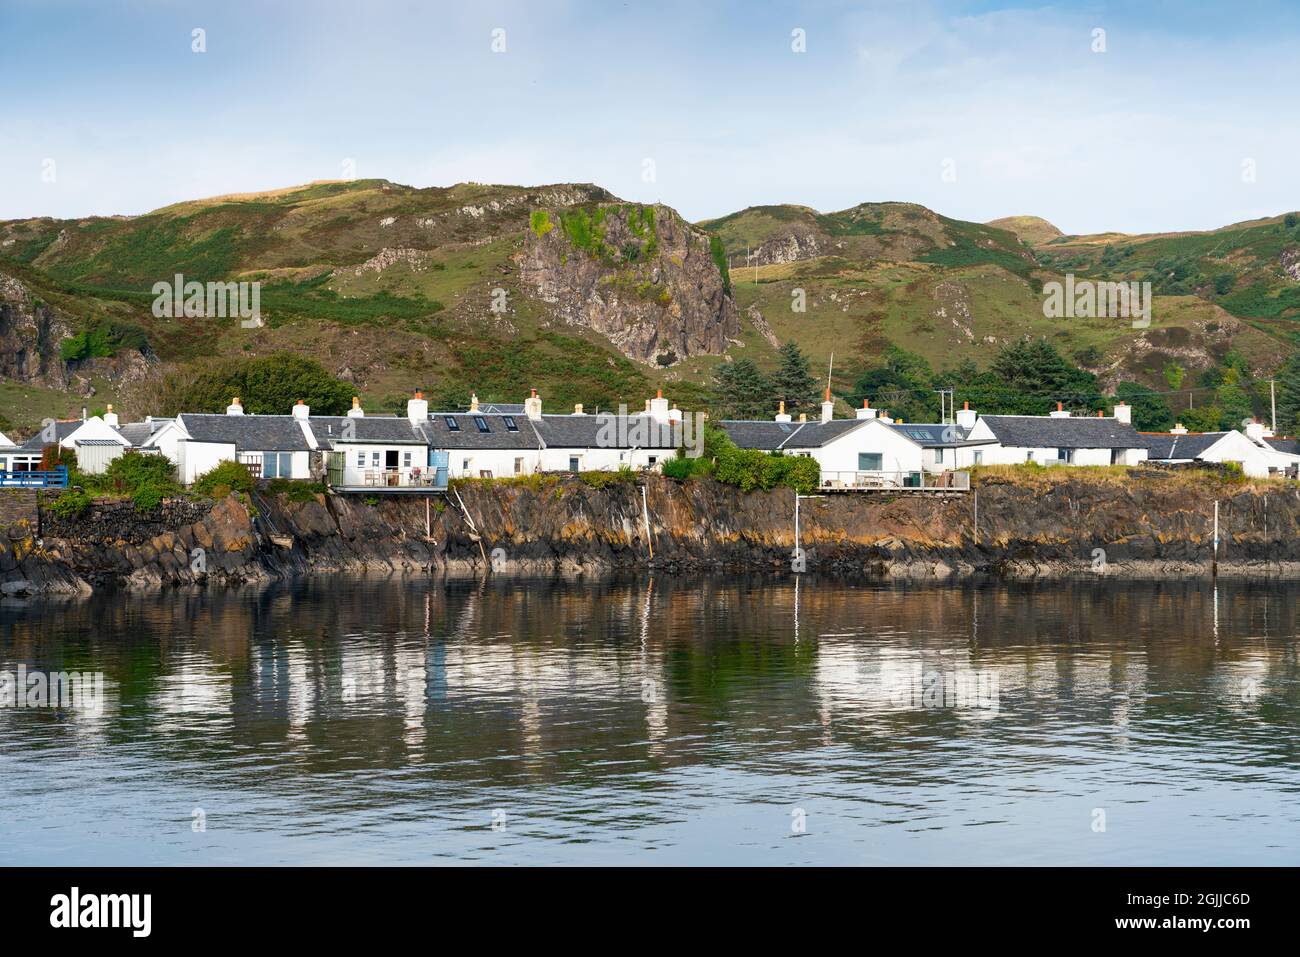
197 458
897 452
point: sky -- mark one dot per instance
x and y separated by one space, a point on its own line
1180 115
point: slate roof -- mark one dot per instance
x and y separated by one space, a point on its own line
501 408
1075 432
1163 446
607 430
769 435
1282 443
247 433
61 429
138 433
381 429
440 436
936 434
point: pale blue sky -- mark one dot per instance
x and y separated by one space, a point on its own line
1149 135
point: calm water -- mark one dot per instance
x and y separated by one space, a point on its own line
661 721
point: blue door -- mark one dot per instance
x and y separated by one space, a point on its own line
438 465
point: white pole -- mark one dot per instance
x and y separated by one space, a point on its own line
645 514
1272 397
1215 566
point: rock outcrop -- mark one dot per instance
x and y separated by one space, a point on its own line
30 333
1158 525
639 275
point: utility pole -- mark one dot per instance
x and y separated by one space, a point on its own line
1272 398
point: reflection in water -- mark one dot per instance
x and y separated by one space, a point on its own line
661 720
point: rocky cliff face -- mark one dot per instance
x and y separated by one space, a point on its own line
1158 525
30 332
639 275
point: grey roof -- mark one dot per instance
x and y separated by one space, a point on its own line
936 434
61 430
607 430
440 436
769 435
112 442
1166 447
383 429
502 408
247 433
138 433
1283 443
1074 432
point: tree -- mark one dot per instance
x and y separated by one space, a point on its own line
1150 412
1288 394
902 383
742 391
269 385
793 381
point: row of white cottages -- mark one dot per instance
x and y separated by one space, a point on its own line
425 448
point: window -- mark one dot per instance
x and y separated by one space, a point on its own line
652 460
979 456
1065 455
481 423
573 463
277 465
509 420
406 460
361 460
519 466
464 466
452 424
938 456
374 460
870 461
1029 456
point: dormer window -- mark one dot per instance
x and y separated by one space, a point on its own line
481 423
509 420
452 424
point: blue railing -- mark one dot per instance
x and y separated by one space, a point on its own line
57 478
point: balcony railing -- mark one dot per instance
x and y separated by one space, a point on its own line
398 478
959 481
55 478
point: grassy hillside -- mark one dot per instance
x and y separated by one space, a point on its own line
392 287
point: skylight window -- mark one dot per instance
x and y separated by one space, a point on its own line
481 423
509 420
452 424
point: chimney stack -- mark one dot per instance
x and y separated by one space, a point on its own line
866 412
301 410
110 417
1059 413
782 415
828 406
417 409
473 401
1123 413
577 408
674 413
1178 429
356 412
659 406
533 406
966 417
1255 430
803 417
234 408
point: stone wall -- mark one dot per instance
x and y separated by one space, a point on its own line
118 521
18 505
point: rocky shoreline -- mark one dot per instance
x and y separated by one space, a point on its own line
1063 523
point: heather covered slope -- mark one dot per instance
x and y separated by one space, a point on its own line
591 299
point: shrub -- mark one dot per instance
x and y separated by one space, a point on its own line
70 503
295 491
147 497
133 470
225 478
678 467
606 479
